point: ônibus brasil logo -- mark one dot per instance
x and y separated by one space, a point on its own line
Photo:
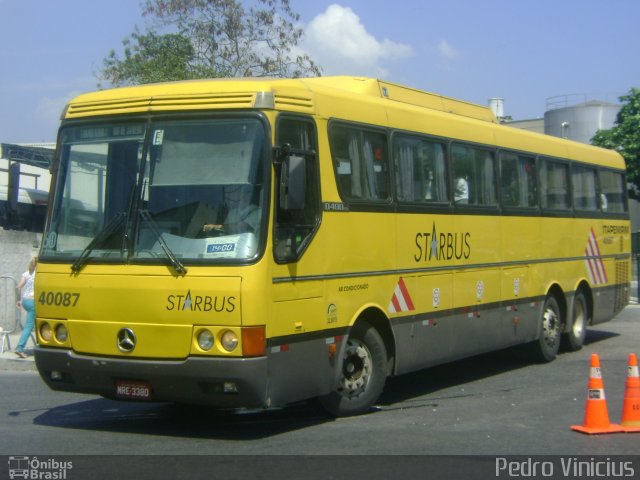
40 469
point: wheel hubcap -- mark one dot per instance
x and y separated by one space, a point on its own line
551 326
356 369
578 320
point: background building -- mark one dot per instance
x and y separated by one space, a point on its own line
24 191
577 118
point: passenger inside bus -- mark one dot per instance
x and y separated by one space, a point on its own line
461 191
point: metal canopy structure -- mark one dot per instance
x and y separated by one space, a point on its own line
36 156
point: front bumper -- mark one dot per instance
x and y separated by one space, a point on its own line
195 380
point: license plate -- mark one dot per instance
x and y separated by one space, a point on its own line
126 389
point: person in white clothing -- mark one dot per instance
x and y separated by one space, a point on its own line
25 287
461 192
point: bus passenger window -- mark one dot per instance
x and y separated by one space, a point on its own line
420 170
360 159
611 191
517 181
554 185
474 176
584 188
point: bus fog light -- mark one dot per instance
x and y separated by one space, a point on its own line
230 387
61 333
45 332
56 375
229 341
205 340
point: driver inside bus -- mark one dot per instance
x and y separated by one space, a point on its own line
244 220
240 216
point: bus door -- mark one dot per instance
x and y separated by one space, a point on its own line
298 309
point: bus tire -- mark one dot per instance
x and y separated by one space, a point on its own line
574 338
546 347
363 372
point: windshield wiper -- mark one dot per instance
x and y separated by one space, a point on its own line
177 265
110 227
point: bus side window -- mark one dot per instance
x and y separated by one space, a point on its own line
420 170
554 185
611 188
583 180
360 158
474 176
517 180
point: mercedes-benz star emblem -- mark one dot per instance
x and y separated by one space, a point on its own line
126 340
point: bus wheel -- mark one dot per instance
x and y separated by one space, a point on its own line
363 372
546 347
574 338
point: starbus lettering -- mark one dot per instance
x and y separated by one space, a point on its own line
198 303
442 245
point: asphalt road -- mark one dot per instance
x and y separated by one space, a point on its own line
495 404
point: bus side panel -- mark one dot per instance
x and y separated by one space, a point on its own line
519 311
302 367
608 269
608 301
428 335
444 333
301 358
477 292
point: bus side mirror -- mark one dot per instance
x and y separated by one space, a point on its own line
292 182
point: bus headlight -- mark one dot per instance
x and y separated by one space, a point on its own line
61 333
229 341
45 332
205 340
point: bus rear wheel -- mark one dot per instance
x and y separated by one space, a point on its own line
546 347
363 372
574 338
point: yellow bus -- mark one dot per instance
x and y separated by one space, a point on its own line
255 242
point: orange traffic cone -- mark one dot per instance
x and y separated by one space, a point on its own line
631 406
596 417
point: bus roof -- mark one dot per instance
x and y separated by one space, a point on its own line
328 97
229 93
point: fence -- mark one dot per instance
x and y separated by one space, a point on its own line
9 312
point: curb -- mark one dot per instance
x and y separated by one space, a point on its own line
10 362
17 364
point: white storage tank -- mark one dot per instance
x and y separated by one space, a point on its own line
576 118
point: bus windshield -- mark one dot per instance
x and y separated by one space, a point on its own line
188 190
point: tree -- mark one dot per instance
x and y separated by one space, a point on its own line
212 38
625 138
150 58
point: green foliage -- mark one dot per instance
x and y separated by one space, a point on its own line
150 58
211 38
624 137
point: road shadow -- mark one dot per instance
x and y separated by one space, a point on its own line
406 391
188 421
596 336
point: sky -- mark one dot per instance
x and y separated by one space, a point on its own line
524 51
